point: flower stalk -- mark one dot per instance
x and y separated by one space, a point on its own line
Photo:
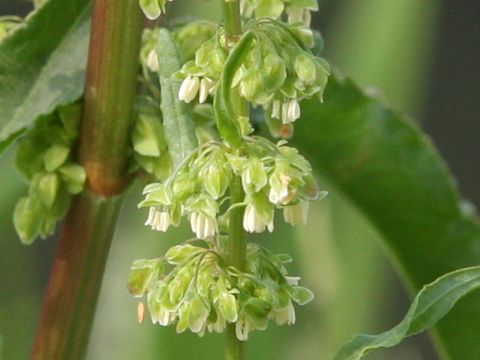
237 245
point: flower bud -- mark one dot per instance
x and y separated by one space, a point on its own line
284 315
45 186
189 89
158 220
227 305
28 219
55 156
216 178
258 214
305 68
254 176
203 226
152 61
296 214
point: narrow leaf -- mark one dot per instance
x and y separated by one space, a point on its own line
429 306
225 114
42 64
177 115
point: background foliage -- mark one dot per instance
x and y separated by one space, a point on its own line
407 49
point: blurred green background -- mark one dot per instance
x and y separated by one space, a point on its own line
424 57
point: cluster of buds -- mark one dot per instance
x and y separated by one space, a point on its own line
149 145
277 72
193 288
273 176
297 11
44 158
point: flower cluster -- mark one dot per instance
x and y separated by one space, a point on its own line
200 75
44 158
272 176
200 293
297 11
288 73
277 72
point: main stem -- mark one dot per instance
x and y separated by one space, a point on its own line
237 245
79 264
235 250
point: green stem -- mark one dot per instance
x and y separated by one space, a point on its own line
231 18
236 246
234 348
236 249
79 264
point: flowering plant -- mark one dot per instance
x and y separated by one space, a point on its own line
227 126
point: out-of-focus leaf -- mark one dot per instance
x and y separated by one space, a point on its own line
381 162
42 64
429 306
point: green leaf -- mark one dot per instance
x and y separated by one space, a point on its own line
225 112
429 306
42 64
177 115
380 161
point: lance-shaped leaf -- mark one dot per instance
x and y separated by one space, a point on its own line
429 306
381 162
42 64
177 115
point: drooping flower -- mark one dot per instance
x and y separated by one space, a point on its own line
189 88
203 226
296 214
158 220
285 315
258 214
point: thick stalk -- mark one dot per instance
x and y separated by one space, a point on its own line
237 245
76 277
83 249
110 90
